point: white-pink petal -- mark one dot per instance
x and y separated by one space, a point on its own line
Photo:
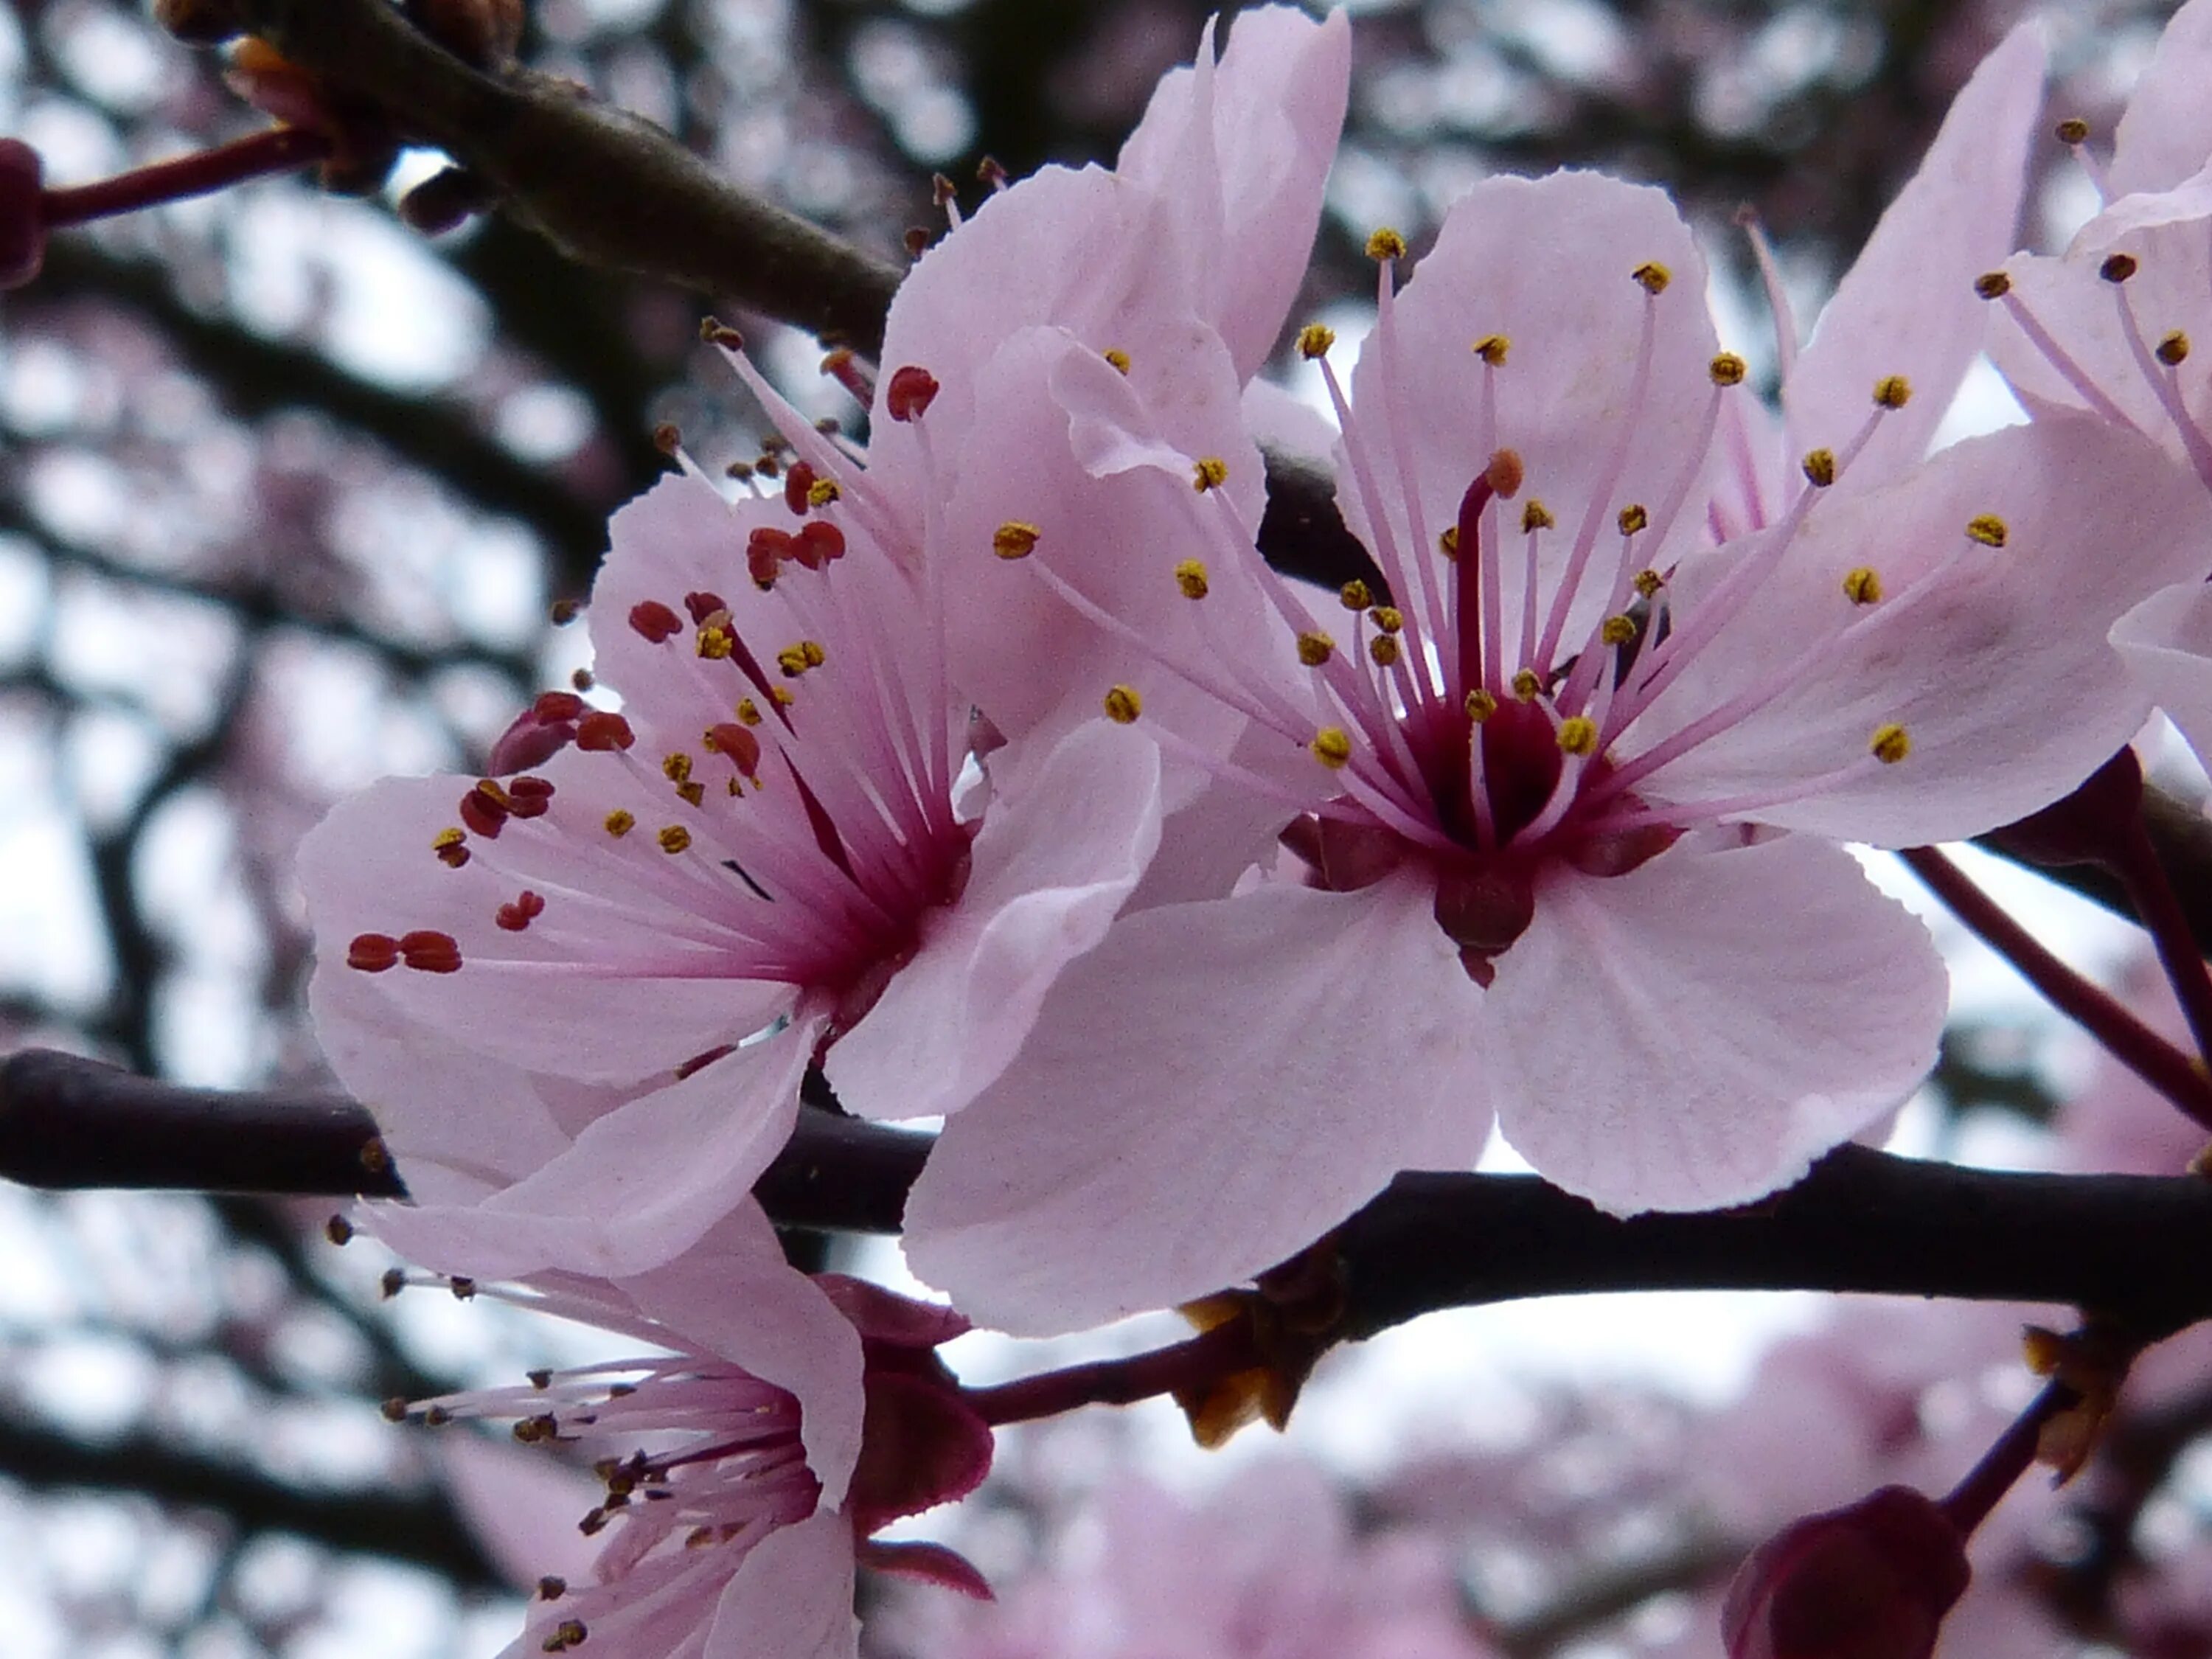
1111 1169
1693 1034
2166 133
2166 641
1051 867
1907 306
791 1598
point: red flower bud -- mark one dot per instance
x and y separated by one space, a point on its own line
1869 1581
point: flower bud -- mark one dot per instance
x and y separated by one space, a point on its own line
23 223
1872 1581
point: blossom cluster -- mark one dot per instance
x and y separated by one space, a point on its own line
991 775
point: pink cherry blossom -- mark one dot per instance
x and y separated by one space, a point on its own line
769 854
1536 796
776 1423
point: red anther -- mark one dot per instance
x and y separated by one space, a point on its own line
22 218
517 916
558 706
701 1062
655 621
819 542
742 747
373 952
796 483
430 951
704 605
601 730
909 393
483 814
532 740
766 549
453 857
529 797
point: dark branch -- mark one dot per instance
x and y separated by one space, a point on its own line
423 1530
605 187
2127 1246
2182 836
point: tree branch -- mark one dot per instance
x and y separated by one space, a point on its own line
2180 835
603 186
2127 1246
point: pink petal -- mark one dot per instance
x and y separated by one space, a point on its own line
885 1317
1051 868
733 1294
1101 464
2165 232
561 996
521 1505
1548 264
1244 147
641 1182
2166 641
792 1598
1996 665
1907 306
1206 1093
2166 133
1693 1034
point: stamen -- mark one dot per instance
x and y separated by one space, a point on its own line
1889 744
1014 539
1190 577
1862 585
1315 339
1332 747
1123 705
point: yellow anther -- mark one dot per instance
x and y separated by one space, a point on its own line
1578 734
1617 630
822 492
1116 357
796 660
1634 519
2072 131
1331 747
1480 705
1505 473
692 791
1526 683
716 640
1652 277
1893 391
1386 244
1123 705
1989 530
673 838
1383 648
1992 285
1316 647
1210 472
676 768
619 823
1819 467
1315 339
1388 617
748 711
781 696
1889 744
1728 369
1354 596
1649 582
2118 267
1492 347
1014 539
448 838
1535 516
736 784
1862 585
2172 348
1448 542
1190 576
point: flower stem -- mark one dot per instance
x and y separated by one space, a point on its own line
277 149
1220 1353
2138 1048
1968 1503
2159 907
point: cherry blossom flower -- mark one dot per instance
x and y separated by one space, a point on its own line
776 1424
581 999
1536 798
